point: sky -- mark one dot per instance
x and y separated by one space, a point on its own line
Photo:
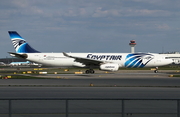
91 25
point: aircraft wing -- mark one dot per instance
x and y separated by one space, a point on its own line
84 61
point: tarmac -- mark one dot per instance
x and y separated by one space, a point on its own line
144 94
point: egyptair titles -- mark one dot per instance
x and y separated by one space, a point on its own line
104 57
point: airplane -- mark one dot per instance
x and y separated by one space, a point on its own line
103 61
20 63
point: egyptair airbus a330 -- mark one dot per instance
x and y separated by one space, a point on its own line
103 61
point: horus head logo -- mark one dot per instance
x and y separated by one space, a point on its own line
18 42
21 42
138 59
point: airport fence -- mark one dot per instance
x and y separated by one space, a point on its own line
81 107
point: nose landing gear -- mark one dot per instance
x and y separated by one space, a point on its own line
156 70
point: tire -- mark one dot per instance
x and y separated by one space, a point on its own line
155 71
87 72
91 71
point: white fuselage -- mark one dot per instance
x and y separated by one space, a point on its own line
122 59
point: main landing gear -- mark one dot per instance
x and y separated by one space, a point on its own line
90 71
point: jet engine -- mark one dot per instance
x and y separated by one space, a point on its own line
109 67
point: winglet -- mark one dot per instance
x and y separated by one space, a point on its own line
65 54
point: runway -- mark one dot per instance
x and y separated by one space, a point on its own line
91 92
141 86
97 80
126 85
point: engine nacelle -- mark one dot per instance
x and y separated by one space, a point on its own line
109 67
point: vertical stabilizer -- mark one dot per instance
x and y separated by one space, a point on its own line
20 44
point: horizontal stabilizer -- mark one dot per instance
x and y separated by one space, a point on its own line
24 56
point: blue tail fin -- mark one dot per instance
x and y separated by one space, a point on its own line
20 44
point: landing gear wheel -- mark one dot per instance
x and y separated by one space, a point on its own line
90 71
87 71
155 71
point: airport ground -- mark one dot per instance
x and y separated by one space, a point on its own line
145 93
